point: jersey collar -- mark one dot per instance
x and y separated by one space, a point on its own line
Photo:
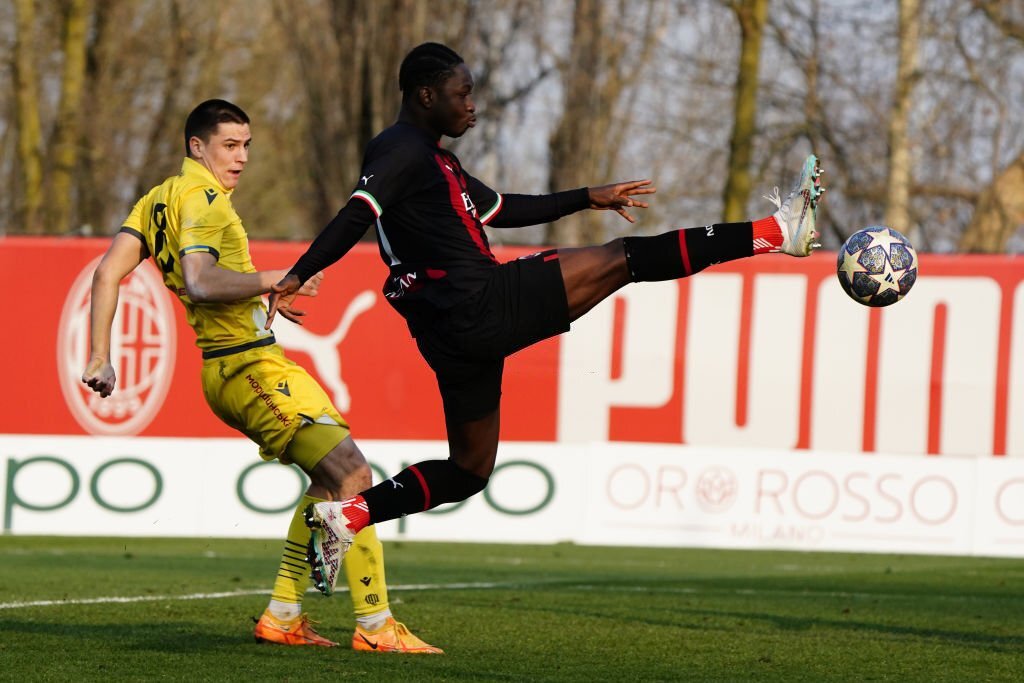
192 167
420 133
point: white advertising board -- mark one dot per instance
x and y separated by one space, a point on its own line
600 493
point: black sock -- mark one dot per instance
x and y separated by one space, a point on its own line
420 487
682 253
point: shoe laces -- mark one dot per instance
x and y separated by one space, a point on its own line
306 623
306 630
775 198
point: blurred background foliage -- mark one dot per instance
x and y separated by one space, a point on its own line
914 106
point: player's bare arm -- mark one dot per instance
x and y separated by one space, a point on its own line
206 282
619 196
126 252
333 242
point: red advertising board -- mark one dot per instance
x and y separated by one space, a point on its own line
765 351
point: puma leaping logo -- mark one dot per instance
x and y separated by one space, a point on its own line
366 178
323 349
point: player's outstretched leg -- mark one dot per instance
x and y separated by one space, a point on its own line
591 274
796 215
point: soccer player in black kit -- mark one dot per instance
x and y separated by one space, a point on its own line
466 310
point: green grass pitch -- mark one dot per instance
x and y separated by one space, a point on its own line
515 613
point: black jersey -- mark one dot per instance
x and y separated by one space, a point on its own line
429 215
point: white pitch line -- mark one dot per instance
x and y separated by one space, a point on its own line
809 593
233 594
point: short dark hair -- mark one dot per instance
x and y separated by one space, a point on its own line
429 64
204 119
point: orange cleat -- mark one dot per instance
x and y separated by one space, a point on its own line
298 631
393 636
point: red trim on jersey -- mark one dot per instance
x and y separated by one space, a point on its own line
472 224
368 203
551 257
687 270
423 485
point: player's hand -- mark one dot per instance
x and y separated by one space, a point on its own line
619 196
312 285
282 296
100 376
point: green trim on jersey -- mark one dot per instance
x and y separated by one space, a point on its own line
369 199
491 211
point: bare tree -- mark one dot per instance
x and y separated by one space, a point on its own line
596 76
30 137
999 210
751 15
66 129
570 92
176 35
348 54
897 209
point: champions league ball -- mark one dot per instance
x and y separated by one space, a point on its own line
877 266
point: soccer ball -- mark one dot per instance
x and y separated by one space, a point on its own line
877 266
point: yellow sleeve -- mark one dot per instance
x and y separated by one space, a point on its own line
134 225
205 212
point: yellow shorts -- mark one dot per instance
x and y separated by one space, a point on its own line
269 398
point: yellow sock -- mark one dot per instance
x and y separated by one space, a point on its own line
293 573
364 569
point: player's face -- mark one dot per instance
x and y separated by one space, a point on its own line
225 154
454 111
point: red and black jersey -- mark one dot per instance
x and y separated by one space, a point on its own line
429 216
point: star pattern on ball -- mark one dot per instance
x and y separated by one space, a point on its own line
851 264
888 279
885 239
887 261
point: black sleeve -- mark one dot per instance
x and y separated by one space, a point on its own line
519 210
336 239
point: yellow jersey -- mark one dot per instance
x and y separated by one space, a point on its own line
192 212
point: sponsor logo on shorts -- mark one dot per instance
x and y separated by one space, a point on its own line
267 398
399 285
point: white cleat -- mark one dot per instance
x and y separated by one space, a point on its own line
796 215
330 540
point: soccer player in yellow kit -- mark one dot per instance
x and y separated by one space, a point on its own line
189 227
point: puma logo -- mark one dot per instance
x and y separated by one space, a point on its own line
323 349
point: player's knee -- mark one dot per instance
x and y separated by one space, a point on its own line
343 471
466 483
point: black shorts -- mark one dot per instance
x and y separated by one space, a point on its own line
522 303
